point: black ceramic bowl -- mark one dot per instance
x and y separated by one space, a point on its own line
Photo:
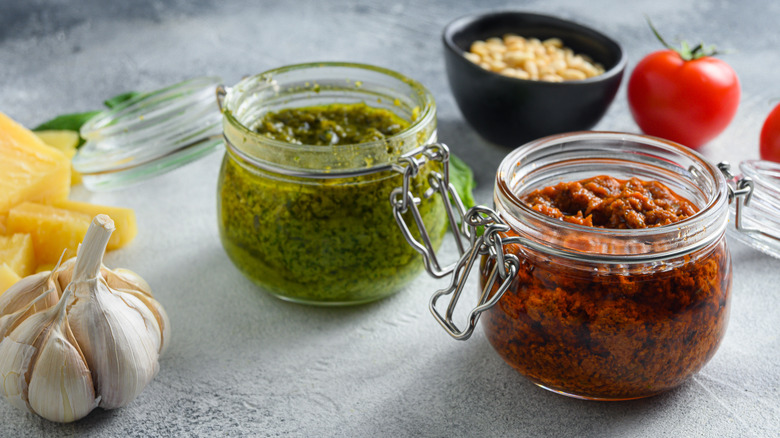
510 111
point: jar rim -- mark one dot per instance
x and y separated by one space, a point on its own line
427 112
694 232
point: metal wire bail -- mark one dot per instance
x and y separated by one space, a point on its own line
403 201
504 267
479 218
741 191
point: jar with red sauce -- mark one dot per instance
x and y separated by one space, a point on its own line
597 312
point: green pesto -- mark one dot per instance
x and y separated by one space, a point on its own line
321 241
332 124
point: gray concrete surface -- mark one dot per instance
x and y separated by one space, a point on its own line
242 363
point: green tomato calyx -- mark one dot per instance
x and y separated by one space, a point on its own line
686 52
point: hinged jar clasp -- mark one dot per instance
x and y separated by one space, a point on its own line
481 226
741 192
504 267
402 200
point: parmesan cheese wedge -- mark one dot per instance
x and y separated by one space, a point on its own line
31 170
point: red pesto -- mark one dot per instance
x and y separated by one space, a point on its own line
606 202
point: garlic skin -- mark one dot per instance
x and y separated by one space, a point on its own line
80 336
40 290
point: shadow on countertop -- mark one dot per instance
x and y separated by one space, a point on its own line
467 390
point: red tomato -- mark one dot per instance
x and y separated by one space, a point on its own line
689 102
770 136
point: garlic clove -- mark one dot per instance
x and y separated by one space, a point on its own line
31 289
61 386
126 279
120 339
18 351
65 273
159 314
25 291
11 321
15 360
22 292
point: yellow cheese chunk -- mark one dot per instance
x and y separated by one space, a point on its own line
52 229
30 170
124 220
16 252
65 142
75 177
3 220
7 277
45 267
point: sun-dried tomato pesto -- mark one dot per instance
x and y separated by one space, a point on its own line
337 123
606 202
611 331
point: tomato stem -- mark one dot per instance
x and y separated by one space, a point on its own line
685 51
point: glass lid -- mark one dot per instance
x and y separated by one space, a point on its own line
150 134
755 205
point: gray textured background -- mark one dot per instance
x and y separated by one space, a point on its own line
245 364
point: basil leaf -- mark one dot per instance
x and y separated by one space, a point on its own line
122 98
462 177
74 121
68 122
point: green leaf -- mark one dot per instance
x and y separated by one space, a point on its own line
68 122
122 98
74 121
462 177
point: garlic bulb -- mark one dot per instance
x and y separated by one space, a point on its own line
80 336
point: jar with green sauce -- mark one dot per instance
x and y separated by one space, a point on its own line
304 191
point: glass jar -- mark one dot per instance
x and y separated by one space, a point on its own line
608 314
312 224
611 313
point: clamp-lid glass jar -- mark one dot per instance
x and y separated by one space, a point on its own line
312 223
600 313
612 313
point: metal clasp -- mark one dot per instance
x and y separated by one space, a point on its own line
503 266
741 192
490 242
403 200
